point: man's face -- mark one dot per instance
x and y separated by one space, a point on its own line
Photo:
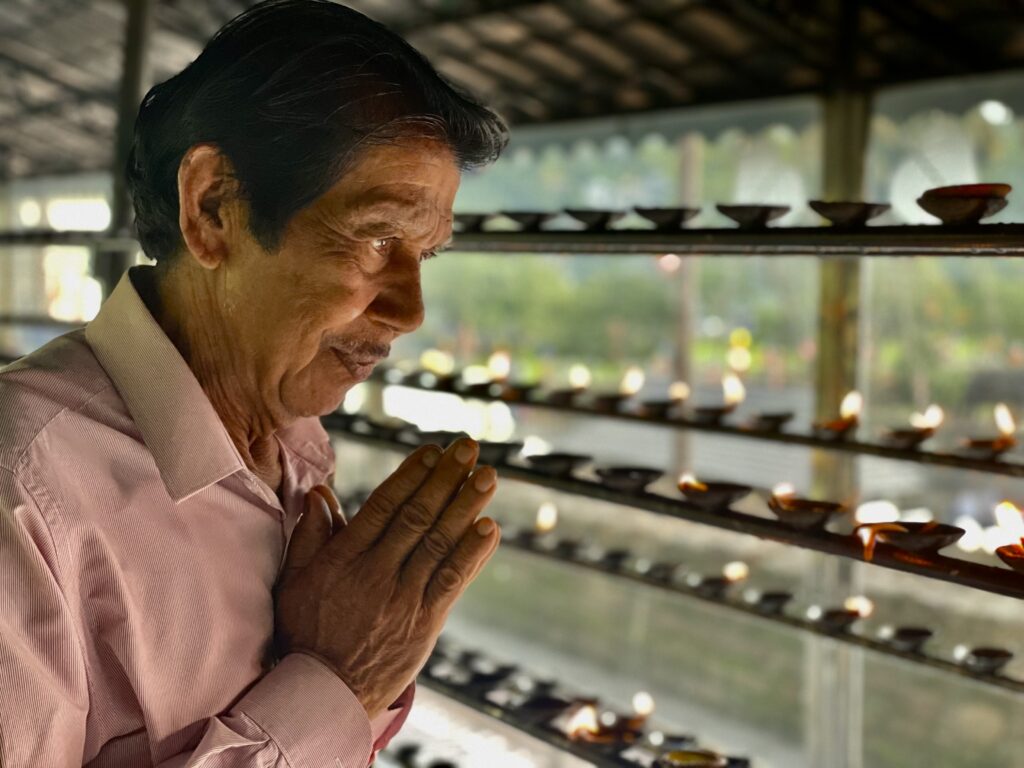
315 317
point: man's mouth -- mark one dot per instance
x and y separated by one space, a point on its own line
360 367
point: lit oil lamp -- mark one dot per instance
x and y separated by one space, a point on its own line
709 495
983 660
579 380
500 365
691 758
632 382
922 427
733 573
628 479
678 393
926 538
842 619
906 639
849 418
547 519
557 464
1010 524
1012 555
996 446
799 512
733 393
608 728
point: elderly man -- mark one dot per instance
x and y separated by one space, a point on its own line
178 586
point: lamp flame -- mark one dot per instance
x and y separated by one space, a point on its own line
1009 518
860 605
732 389
736 571
689 480
852 405
784 491
579 377
1004 420
932 418
869 535
547 517
643 703
500 364
584 720
632 382
679 390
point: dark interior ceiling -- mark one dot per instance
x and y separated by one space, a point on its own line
536 62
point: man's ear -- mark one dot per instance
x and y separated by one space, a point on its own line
207 204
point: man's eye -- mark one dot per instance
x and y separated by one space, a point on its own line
383 244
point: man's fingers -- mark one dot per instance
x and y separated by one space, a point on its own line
311 532
338 520
417 515
375 515
459 569
451 526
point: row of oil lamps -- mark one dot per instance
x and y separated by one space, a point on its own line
792 510
957 205
615 738
497 385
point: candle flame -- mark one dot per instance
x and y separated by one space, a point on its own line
869 536
1004 420
579 377
932 418
852 405
860 604
733 389
736 571
632 382
584 720
500 364
784 491
679 390
643 703
547 517
1008 517
689 480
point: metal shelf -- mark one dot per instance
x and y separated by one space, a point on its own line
43 237
994 579
991 466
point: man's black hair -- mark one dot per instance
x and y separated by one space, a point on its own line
290 91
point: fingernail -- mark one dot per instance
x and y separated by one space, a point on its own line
483 480
465 452
484 526
430 458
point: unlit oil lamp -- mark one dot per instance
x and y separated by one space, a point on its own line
927 537
770 421
922 427
799 512
849 418
691 758
678 393
547 519
733 573
614 559
579 381
670 741
628 479
983 660
557 464
709 495
770 602
906 639
632 382
497 452
842 619
996 446
733 393
661 571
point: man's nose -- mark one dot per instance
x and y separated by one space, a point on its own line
399 303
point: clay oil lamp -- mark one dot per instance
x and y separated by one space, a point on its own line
557 464
994 447
667 219
567 548
606 729
470 222
923 538
485 390
579 381
965 204
849 418
717 587
614 559
840 620
593 219
983 660
691 758
769 421
797 512
753 216
671 741
543 707
628 479
709 495
547 519
529 221
632 382
1008 534
1012 555
772 602
486 677
848 214
906 639
498 452
922 427
661 571
518 391
733 393
678 393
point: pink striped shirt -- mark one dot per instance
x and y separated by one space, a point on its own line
137 558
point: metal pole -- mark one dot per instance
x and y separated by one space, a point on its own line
135 78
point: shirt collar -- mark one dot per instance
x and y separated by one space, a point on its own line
179 425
